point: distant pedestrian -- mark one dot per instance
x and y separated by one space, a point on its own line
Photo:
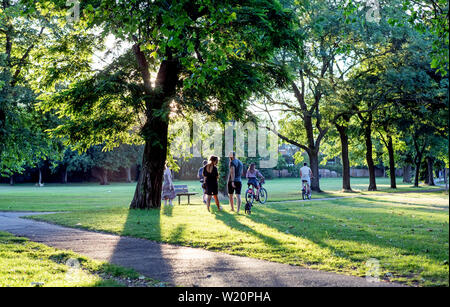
168 190
211 181
202 180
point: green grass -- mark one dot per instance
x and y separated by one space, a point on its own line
407 233
28 264
72 197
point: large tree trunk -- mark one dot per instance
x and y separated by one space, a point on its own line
429 175
390 148
345 160
11 180
418 158
416 177
149 185
445 179
40 177
369 158
407 173
155 130
104 177
64 176
314 165
128 169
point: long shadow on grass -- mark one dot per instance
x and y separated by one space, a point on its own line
427 208
146 257
231 221
332 229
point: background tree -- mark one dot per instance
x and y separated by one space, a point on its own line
316 69
29 32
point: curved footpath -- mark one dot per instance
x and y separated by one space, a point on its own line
177 265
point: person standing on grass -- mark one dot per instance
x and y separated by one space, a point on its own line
234 180
168 190
211 176
202 179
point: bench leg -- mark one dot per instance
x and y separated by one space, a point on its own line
179 199
189 199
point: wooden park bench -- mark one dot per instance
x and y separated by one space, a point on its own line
182 190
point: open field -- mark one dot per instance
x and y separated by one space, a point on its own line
58 197
407 233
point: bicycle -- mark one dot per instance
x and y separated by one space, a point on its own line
250 194
304 194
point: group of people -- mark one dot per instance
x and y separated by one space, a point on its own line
209 177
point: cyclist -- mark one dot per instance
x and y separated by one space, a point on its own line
252 176
306 175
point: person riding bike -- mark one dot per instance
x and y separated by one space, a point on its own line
306 174
252 176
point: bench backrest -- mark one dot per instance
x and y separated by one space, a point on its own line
179 189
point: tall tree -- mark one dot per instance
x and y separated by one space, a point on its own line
208 56
315 68
28 32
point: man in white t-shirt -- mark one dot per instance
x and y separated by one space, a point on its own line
306 175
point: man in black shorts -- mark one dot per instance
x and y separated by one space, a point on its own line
234 181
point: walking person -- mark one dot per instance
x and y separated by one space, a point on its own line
202 179
211 176
235 181
168 190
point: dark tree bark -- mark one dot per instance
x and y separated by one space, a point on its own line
418 158
429 174
367 131
416 176
445 178
149 185
345 160
11 180
369 150
64 175
155 131
128 170
390 148
407 173
40 177
104 177
314 165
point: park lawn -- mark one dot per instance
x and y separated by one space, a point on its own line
407 233
28 264
72 197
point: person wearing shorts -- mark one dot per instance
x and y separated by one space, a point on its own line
306 174
235 181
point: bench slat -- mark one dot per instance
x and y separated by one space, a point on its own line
182 190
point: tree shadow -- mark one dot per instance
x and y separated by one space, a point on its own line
167 210
231 221
426 208
352 232
145 256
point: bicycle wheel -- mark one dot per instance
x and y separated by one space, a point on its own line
262 196
303 194
249 197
